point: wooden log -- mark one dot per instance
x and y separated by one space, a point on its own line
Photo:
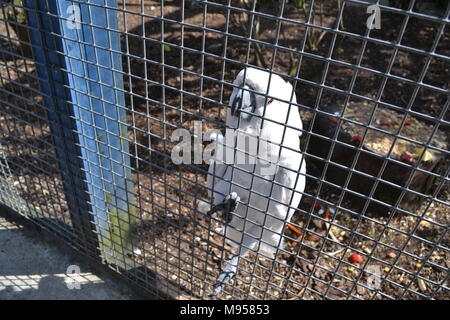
369 165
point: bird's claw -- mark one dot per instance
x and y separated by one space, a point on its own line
225 276
232 199
228 205
221 282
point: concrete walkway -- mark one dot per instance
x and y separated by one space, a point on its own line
33 267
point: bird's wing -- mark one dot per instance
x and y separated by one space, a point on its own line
299 180
282 188
289 183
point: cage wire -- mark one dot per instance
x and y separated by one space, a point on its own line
371 81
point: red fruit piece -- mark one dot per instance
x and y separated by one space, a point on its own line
385 123
407 123
407 157
357 138
355 258
333 120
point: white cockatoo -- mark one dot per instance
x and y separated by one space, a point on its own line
258 159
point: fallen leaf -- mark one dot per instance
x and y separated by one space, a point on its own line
360 289
391 255
425 224
327 215
427 156
422 285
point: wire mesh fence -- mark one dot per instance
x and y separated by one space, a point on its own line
109 109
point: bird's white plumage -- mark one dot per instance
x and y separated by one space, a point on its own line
262 220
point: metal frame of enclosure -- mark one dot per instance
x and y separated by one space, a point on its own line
92 91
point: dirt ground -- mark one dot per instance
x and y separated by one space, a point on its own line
179 242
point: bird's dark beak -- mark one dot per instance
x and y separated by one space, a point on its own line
236 104
243 100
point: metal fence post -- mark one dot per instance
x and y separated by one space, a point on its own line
76 46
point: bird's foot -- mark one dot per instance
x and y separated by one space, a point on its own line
228 205
225 276
221 282
231 201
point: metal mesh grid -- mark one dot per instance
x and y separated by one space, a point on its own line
30 178
353 85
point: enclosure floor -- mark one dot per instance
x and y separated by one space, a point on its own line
35 269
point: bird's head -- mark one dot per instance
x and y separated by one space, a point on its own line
249 98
